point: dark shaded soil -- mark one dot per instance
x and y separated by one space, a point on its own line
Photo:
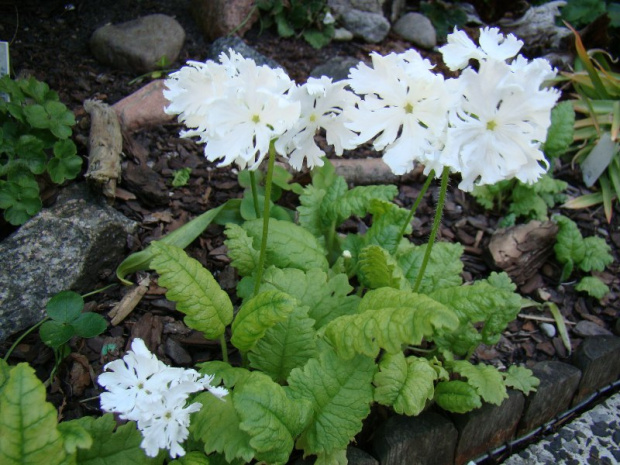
49 39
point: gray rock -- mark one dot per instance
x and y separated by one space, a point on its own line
336 68
140 44
370 27
417 29
66 247
588 328
342 35
429 438
224 44
339 7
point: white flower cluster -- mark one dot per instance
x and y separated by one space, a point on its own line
143 389
487 124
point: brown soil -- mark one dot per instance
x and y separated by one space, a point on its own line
49 39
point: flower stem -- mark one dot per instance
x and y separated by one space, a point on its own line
20 338
263 245
224 347
436 222
416 204
254 193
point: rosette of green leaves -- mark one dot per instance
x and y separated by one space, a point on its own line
35 131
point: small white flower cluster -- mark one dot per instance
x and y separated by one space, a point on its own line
143 389
487 124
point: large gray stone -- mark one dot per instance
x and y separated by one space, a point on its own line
417 29
558 383
336 68
370 27
138 45
428 439
66 247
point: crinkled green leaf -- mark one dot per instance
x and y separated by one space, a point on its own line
223 372
337 457
5 370
240 250
340 392
593 286
329 207
113 445
485 379
377 268
181 177
30 153
288 245
270 417
443 270
65 307
521 378
387 224
404 383
217 426
387 319
569 246
326 296
20 199
356 201
457 396
286 345
28 426
597 255
560 133
482 302
310 209
192 458
197 294
74 436
259 314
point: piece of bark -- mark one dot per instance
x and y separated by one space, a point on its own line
522 250
105 144
129 302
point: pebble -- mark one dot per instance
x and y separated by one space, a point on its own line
548 329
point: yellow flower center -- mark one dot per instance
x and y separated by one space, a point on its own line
256 119
409 108
491 125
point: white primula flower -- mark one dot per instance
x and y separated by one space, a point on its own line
404 108
493 46
146 390
496 130
322 102
235 107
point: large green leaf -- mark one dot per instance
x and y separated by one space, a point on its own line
560 133
377 268
387 319
288 245
569 246
310 209
28 426
259 314
112 444
270 417
197 294
457 396
240 250
443 270
217 426
485 379
404 383
326 296
288 344
340 392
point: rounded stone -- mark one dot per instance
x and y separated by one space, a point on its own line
417 29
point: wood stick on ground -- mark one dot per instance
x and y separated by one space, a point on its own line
129 302
105 143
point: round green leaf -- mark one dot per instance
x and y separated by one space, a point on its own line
89 325
54 333
65 307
